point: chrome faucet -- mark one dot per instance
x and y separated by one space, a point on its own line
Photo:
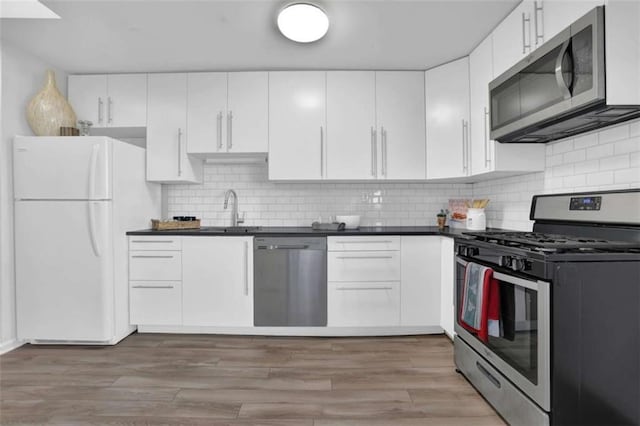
235 217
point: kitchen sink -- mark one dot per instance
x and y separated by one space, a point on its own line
231 229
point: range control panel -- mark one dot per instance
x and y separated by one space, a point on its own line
585 203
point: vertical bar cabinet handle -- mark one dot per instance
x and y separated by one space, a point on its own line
373 173
219 129
109 110
179 152
230 130
487 159
321 151
100 104
246 268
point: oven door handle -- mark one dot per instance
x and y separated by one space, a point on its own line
521 282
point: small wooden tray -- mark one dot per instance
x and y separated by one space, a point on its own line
165 225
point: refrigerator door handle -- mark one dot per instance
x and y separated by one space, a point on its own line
93 169
93 235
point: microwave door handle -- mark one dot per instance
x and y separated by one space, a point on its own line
562 84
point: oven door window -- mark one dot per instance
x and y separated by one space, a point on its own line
516 341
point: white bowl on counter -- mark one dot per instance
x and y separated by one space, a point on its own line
350 222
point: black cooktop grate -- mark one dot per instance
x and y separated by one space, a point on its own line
553 242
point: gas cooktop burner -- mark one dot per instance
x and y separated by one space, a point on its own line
551 243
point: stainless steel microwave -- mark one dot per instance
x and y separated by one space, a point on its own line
558 90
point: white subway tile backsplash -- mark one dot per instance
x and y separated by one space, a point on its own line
614 163
294 204
600 178
554 160
589 166
574 156
600 151
627 145
614 133
585 141
563 170
575 181
627 176
563 146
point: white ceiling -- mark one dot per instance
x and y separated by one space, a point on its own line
160 35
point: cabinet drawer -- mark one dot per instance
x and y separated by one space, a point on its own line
155 265
381 242
143 242
363 304
155 302
363 266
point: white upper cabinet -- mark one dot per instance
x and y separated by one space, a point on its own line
489 156
480 74
248 112
217 291
351 140
207 112
87 96
401 124
622 38
228 112
554 16
297 125
167 159
513 38
447 118
115 100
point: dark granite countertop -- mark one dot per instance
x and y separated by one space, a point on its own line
287 231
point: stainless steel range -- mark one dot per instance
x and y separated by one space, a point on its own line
567 349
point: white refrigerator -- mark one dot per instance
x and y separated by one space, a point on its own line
75 198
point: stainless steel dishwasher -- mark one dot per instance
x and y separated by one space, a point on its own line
290 281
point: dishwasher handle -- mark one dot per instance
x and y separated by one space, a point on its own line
283 247
289 243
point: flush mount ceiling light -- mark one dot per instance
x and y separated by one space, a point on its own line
303 22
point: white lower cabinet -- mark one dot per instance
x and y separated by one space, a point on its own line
364 304
155 302
155 274
384 281
447 286
420 269
217 281
191 281
205 284
364 281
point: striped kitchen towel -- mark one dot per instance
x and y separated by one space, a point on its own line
480 308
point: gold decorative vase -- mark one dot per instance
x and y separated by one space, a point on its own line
49 110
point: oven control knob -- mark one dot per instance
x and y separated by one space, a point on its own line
518 264
472 251
505 261
462 250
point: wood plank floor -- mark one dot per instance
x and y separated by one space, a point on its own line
236 380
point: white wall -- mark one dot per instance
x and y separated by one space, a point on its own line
298 204
22 77
601 160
